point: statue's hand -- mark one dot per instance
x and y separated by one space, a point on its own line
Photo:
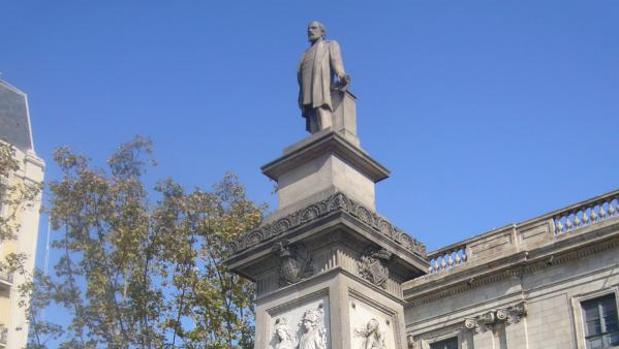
344 82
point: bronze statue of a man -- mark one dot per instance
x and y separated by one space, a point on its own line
321 69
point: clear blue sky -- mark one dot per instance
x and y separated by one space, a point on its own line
486 112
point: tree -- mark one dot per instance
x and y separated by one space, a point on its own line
141 273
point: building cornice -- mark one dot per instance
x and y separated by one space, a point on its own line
595 240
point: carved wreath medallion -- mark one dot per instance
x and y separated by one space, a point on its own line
373 266
294 262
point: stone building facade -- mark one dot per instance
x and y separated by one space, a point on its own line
551 282
15 131
332 273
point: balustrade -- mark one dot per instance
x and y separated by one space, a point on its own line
586 214
446 259
567 220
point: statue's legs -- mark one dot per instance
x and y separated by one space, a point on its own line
325 117
320 118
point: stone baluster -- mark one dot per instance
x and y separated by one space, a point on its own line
448 259
587 214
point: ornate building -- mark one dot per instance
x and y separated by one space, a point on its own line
15 130
548 282
332 273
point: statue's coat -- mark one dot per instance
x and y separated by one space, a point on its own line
315 80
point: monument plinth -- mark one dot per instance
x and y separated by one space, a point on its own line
328 268
345 115
321 165
327 253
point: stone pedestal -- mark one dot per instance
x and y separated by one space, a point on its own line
320 165
345 115
328 268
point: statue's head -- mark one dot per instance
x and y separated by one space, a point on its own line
281 329
315 31
310 319
372 326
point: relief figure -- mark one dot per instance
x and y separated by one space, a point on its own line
313 333
283 339
374 338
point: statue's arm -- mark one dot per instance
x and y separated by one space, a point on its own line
337 64
299 78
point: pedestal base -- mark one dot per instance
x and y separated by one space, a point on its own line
347 313
324 162
345 115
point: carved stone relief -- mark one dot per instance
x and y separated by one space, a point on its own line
295 263
336 202
410 341
373 335
283 337
313 332
302 327
371 328
489 320
373 266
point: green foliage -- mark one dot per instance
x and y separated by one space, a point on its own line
141 273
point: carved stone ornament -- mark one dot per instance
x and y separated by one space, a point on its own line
313 332
470 324
373 336
488 320
373 266
337 202
295 263
517 312
283 338
410 341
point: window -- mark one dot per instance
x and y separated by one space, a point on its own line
450 343
600 322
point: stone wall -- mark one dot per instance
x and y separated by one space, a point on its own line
520 286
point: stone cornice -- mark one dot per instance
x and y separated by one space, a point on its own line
514 265
333 204
329 274
328 142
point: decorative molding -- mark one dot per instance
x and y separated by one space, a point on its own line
459 287
444 288
295 262
373 266
335 203
491 319
470 324
321 143
556 259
